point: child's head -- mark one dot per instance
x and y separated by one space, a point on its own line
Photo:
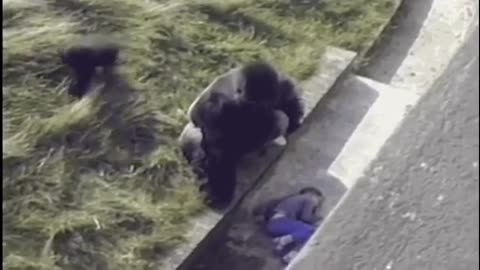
314 193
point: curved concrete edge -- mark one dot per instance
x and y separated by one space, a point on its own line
425 37
381 121
333 65
397 4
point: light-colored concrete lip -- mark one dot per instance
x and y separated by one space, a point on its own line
379 123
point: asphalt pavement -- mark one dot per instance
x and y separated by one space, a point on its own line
417 207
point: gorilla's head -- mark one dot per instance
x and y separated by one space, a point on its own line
261 83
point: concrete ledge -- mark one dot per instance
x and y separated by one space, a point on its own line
333 64
380 122
378 36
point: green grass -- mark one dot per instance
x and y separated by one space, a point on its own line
77 193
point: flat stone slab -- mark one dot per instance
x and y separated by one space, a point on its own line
333 64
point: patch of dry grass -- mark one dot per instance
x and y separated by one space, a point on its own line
76 192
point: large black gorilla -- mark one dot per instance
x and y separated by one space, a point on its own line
239 112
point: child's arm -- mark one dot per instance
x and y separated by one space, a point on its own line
263 211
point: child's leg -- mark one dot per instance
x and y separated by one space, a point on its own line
286 249
288 257
283 242
301 231
297 233
279 230
289 231
278 227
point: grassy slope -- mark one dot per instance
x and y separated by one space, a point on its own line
75 191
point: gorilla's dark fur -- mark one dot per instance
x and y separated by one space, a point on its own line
84 56
265 85
239 113
92 62
235 130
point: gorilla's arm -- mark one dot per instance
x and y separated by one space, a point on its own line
247 127
222 179
193 110
291 103
266 85
240 129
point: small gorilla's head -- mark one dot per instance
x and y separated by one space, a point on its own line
91 51
261 83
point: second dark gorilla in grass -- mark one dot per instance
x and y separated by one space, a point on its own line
84 56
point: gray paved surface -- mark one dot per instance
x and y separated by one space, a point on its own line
418 206
421 41
398 40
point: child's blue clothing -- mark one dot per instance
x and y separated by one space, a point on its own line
293 215
298 207
300 231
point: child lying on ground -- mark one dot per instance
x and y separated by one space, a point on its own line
291 220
